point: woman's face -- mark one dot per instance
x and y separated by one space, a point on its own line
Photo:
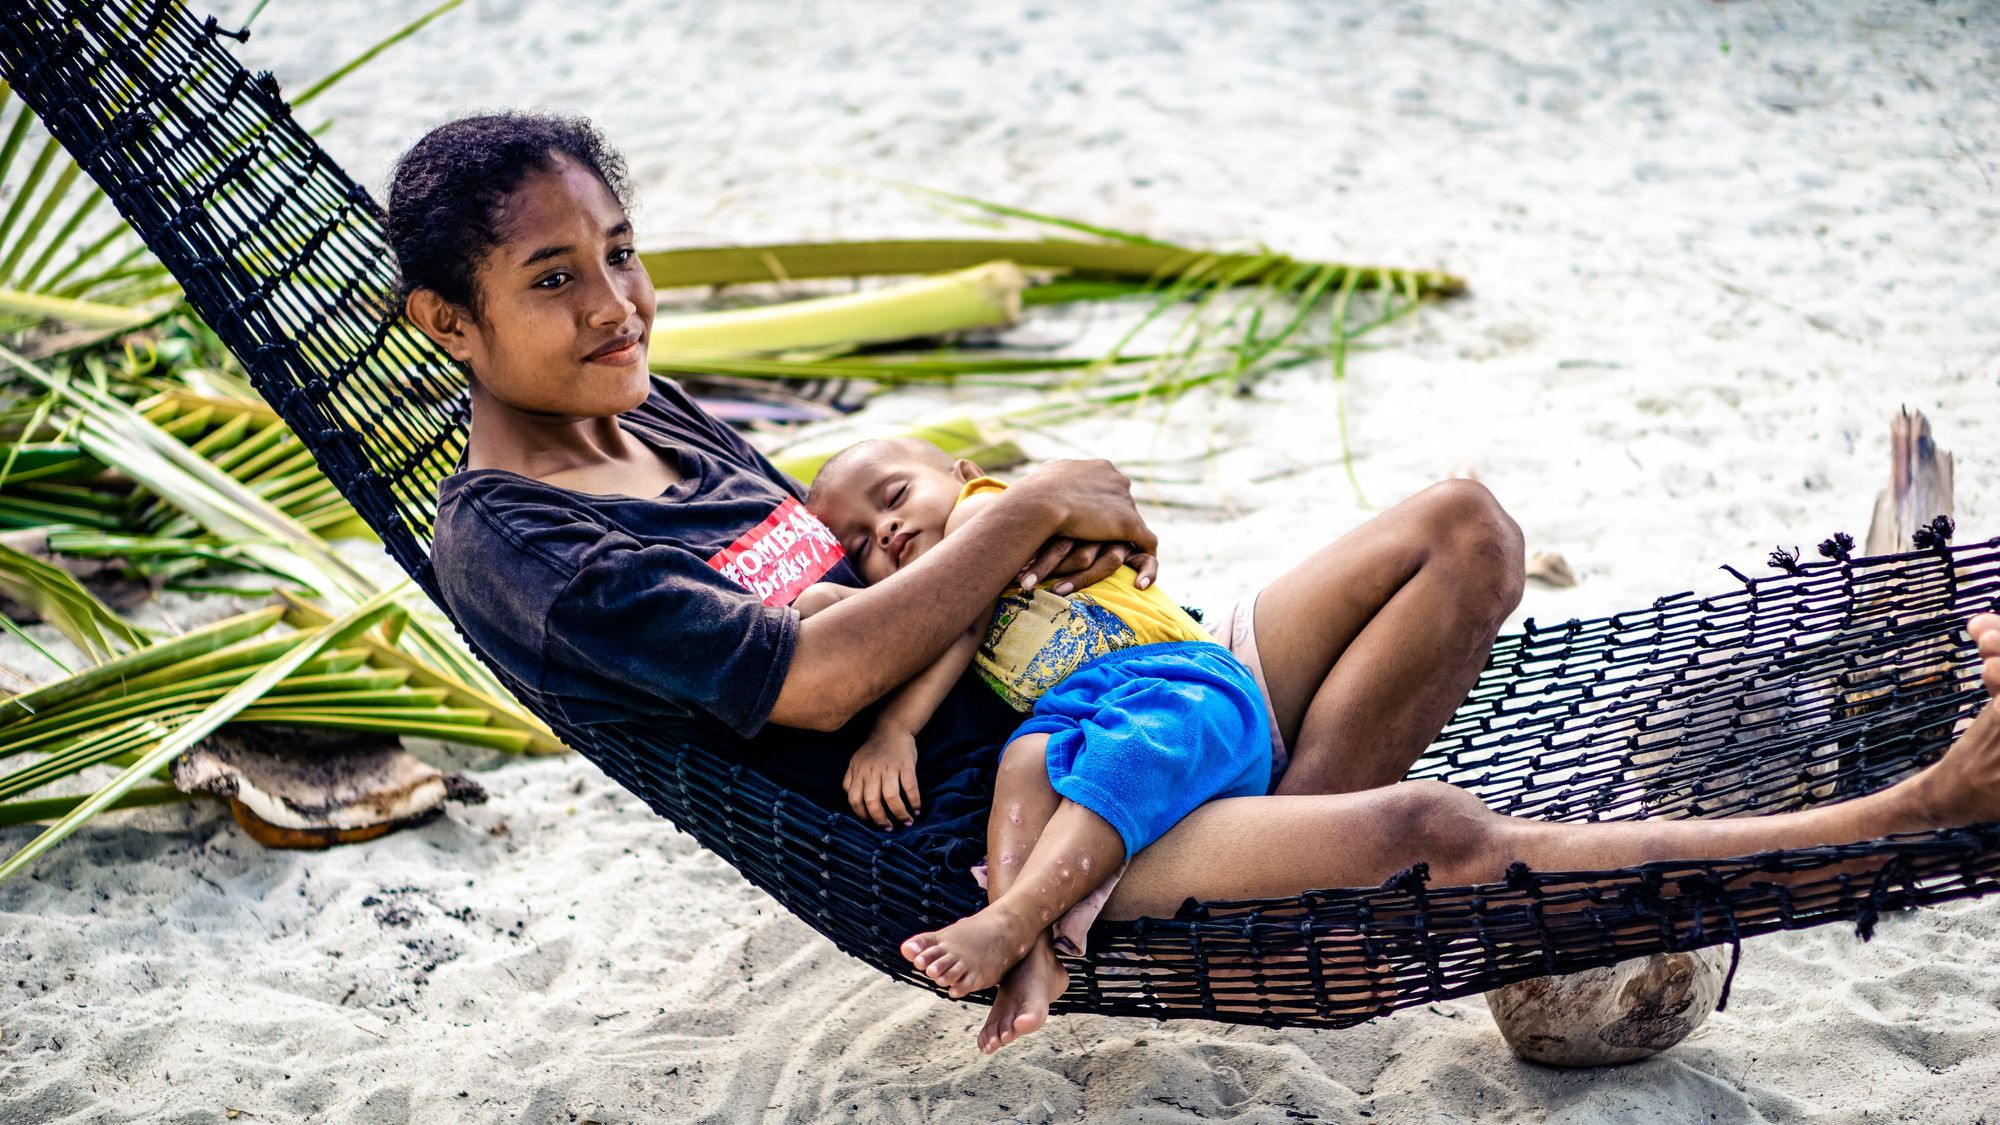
566 310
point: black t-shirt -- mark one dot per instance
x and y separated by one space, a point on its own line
673 614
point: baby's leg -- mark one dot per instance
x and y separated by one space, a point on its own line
1023 803
1034 876
1021 1003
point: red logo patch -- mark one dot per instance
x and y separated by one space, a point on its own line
779 558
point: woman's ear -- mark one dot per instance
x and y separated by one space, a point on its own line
445 323
966 470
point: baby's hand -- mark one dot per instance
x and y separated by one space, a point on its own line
881 780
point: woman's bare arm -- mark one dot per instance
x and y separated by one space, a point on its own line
852 653
909 707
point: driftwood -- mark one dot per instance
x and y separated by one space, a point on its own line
1919 486
296 787
1550 569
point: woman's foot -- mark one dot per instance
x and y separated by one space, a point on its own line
1963 787
1022 1004
973 953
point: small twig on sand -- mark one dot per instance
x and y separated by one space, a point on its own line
1820 323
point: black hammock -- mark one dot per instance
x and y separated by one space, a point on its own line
1820 684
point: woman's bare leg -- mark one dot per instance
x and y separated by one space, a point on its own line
1371 644
1251 847
1070 856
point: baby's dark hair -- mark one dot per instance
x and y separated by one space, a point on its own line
446 192
831 468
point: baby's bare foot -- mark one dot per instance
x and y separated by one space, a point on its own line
972 953
1022 1004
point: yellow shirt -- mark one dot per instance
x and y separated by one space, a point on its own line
1038 638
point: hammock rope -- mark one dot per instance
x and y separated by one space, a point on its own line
1821 683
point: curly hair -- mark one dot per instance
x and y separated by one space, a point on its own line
446 192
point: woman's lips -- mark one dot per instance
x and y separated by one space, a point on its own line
617 357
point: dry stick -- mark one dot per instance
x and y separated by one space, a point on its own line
1347 286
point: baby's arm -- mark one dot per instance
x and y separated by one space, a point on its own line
963 510
818 596
912 705
881 779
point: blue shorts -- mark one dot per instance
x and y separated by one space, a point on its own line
1142 735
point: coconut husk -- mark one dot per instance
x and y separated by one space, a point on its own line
1617 1014
298 787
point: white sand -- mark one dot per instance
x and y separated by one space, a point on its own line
1713 248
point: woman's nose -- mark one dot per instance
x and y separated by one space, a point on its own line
610 306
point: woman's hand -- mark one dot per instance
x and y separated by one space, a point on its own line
1098 528
1072 565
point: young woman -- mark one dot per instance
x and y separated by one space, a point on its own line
629 559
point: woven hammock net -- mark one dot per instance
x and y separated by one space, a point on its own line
1809 686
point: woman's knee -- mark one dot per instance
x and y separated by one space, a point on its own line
1478 537
1445 826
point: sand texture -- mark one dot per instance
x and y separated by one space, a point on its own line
1712 248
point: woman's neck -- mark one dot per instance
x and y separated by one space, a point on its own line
591 454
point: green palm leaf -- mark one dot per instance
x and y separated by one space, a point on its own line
1142 265
120 436
104 300
162 741
63 602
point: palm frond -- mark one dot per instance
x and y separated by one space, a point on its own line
55 808
980 296
132 290
1148 264
70 296
120 436
160 740
366 56
341 672
59 599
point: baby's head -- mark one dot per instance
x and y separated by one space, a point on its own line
887 501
